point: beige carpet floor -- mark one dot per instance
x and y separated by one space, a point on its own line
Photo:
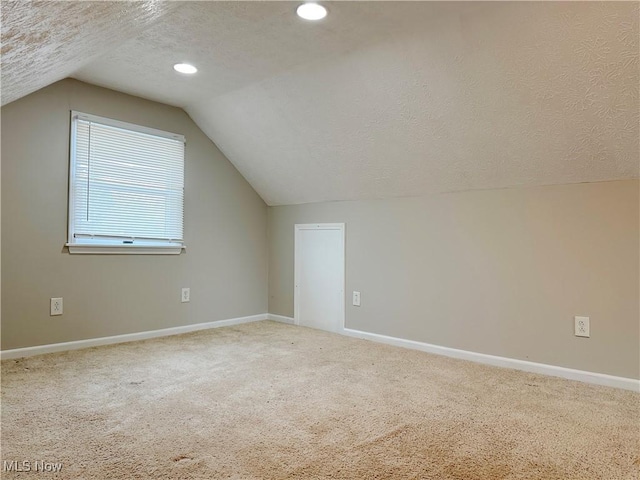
273 401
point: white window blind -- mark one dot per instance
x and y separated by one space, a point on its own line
126 186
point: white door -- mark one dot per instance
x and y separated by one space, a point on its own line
319 276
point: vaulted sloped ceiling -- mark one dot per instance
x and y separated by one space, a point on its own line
380 99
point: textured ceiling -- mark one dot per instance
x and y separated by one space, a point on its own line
43 42
380 99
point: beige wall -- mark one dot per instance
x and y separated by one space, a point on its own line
225 264
500 272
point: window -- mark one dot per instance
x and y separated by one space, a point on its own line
126 188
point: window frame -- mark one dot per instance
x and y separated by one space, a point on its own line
102 246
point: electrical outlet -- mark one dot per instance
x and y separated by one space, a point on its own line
356 299
581 326
56 306
186 295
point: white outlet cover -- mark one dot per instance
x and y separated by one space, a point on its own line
186 295
581 326
56 306
356 299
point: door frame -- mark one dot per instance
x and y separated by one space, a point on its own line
298 227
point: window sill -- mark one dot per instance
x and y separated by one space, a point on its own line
97 249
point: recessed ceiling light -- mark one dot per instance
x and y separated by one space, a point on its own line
185 68
311 11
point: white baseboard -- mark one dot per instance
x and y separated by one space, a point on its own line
562 372
533 367
281 319
128 337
